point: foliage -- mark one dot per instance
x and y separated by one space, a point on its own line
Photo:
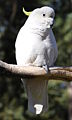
13 99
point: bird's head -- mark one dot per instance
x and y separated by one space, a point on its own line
41 17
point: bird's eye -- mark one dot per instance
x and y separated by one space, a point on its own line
43 15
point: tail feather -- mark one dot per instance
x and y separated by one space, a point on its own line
37 95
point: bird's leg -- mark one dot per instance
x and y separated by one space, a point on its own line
46 67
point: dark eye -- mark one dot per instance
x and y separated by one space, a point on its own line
43 15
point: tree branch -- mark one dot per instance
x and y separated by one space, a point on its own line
56 73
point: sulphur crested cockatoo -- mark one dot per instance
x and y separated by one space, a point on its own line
36 45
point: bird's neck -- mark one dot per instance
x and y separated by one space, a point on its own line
40 31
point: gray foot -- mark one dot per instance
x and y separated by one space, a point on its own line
46 68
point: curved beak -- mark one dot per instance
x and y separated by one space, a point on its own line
25 12
52 24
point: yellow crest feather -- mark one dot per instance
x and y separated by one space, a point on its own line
25 12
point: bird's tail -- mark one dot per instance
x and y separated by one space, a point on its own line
37 95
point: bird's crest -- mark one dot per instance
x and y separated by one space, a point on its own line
25 12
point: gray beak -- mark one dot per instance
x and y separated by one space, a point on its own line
52 24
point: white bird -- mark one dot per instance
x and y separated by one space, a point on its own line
36 45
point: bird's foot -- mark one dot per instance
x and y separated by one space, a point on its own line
46 67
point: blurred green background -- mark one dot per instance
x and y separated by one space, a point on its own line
13 99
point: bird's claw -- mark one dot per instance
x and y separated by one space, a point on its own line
46 67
